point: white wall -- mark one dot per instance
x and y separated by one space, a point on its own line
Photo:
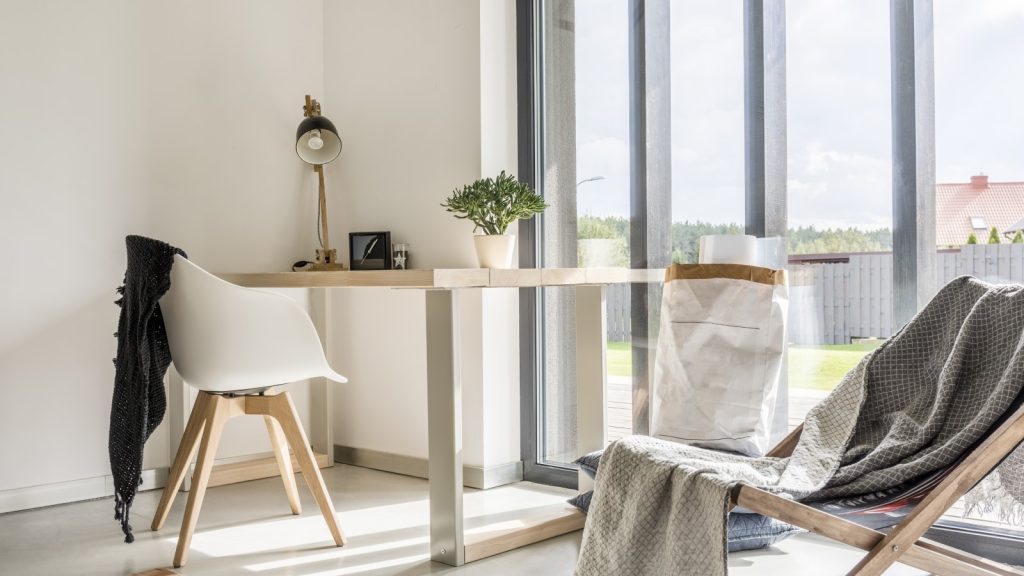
176 120
424 96
225 82
168 119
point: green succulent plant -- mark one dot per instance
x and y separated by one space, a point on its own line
493 204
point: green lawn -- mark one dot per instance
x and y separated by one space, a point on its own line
822 367
620 359
816 367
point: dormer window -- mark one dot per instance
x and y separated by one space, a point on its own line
978 223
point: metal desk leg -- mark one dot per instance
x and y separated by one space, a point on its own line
444 428
591 373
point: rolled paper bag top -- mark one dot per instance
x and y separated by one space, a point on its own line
728 249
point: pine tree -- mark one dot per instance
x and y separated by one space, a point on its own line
993 236
1018 238
972 239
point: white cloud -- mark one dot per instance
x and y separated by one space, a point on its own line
831 188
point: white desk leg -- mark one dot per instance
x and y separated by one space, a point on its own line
591 373
444 428
179 408
321 390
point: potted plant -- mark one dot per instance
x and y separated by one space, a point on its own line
492 204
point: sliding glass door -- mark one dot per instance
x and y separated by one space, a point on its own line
648 123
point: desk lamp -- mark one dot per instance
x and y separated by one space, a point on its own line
317 143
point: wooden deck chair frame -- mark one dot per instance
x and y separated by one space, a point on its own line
904 543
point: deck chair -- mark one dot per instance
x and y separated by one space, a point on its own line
904 543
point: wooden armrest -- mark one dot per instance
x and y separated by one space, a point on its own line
785 448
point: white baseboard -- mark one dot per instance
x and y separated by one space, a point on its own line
472 476
72 491
103 486
92 488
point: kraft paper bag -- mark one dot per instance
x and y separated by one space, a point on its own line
719 358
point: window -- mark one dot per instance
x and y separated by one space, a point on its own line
707 123
841 194
603 180
978 123
586 179
840 191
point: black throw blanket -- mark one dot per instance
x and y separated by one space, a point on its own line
142 358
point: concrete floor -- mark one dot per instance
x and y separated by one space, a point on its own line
247 529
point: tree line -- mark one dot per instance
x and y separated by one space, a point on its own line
686 238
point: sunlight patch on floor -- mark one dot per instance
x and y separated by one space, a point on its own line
347 571
347 552
309 529
379 537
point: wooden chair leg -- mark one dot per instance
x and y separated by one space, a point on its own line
282 409
217 414
186 450
284 463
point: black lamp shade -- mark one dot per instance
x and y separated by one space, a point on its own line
331 148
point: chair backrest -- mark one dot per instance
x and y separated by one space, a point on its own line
226 338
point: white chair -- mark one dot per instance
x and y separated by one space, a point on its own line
234 345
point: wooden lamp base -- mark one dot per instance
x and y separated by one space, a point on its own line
317 267
327 260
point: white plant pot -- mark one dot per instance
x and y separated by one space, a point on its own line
598 252
495 251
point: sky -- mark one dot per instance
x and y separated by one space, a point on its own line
839 139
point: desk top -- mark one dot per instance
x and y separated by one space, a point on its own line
446 278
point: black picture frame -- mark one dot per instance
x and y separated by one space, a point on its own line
369 250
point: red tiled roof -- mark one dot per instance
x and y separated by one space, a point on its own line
1000 204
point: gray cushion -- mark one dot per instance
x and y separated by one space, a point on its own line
589 463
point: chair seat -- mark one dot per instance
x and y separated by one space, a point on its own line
251 383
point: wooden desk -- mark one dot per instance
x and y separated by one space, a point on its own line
449 543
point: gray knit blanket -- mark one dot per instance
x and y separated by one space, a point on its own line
913 406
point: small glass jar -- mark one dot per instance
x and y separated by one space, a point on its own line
400 256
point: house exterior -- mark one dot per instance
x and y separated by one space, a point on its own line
975 207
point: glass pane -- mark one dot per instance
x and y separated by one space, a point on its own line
840 191
586 180
979 174
602 185
707 123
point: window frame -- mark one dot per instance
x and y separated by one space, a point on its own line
765 110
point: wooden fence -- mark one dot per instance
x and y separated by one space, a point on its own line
835 302
617 302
